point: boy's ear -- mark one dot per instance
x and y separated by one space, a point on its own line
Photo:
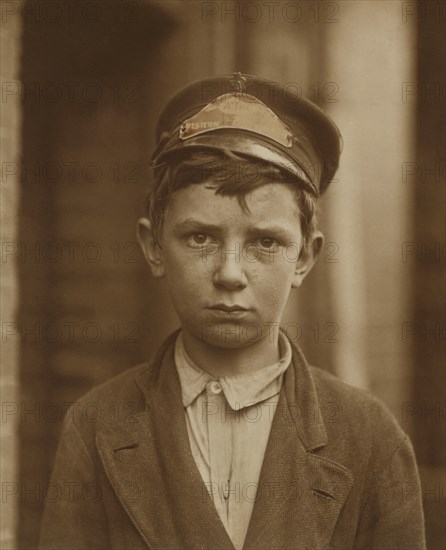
307 258
150 248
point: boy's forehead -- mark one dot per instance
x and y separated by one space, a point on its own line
255 117
268 203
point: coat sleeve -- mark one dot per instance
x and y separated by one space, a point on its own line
74 517
393 514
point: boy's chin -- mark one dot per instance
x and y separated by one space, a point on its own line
228 344
229 335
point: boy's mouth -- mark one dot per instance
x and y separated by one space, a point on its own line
227 308
225 312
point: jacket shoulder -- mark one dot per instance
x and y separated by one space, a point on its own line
355 418
119 388
118 399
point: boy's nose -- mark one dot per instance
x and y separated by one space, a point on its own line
230 272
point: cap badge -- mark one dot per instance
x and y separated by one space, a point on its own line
238 82
237 111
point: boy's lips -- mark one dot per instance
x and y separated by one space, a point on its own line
228 308
226 313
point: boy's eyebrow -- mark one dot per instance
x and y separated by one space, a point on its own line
274 229
192 223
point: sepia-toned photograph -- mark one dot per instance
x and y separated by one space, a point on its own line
223 280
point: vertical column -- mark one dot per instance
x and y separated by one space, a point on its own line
10 147
426 256
370 53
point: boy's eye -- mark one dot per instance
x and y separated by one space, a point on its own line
198 239
268 243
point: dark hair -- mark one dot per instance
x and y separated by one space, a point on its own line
229 174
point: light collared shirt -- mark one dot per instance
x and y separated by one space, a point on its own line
229 421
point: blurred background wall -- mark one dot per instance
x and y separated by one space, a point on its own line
82 84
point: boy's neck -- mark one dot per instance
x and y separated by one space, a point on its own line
219 361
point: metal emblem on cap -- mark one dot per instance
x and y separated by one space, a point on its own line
238 82
237 111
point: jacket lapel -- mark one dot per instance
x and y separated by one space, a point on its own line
151 468
300 494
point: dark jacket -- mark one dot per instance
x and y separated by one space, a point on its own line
338 471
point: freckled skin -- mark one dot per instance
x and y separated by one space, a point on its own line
239 261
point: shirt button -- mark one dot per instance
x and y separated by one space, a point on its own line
215 387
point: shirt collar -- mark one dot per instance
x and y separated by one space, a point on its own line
240 390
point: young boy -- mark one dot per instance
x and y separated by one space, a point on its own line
230 439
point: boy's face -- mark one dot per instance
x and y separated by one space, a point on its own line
229 271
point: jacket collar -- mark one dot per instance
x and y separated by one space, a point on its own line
302 404
149 463
240 390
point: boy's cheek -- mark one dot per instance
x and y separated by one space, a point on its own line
188 277
278 272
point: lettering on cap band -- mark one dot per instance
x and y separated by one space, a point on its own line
237 111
